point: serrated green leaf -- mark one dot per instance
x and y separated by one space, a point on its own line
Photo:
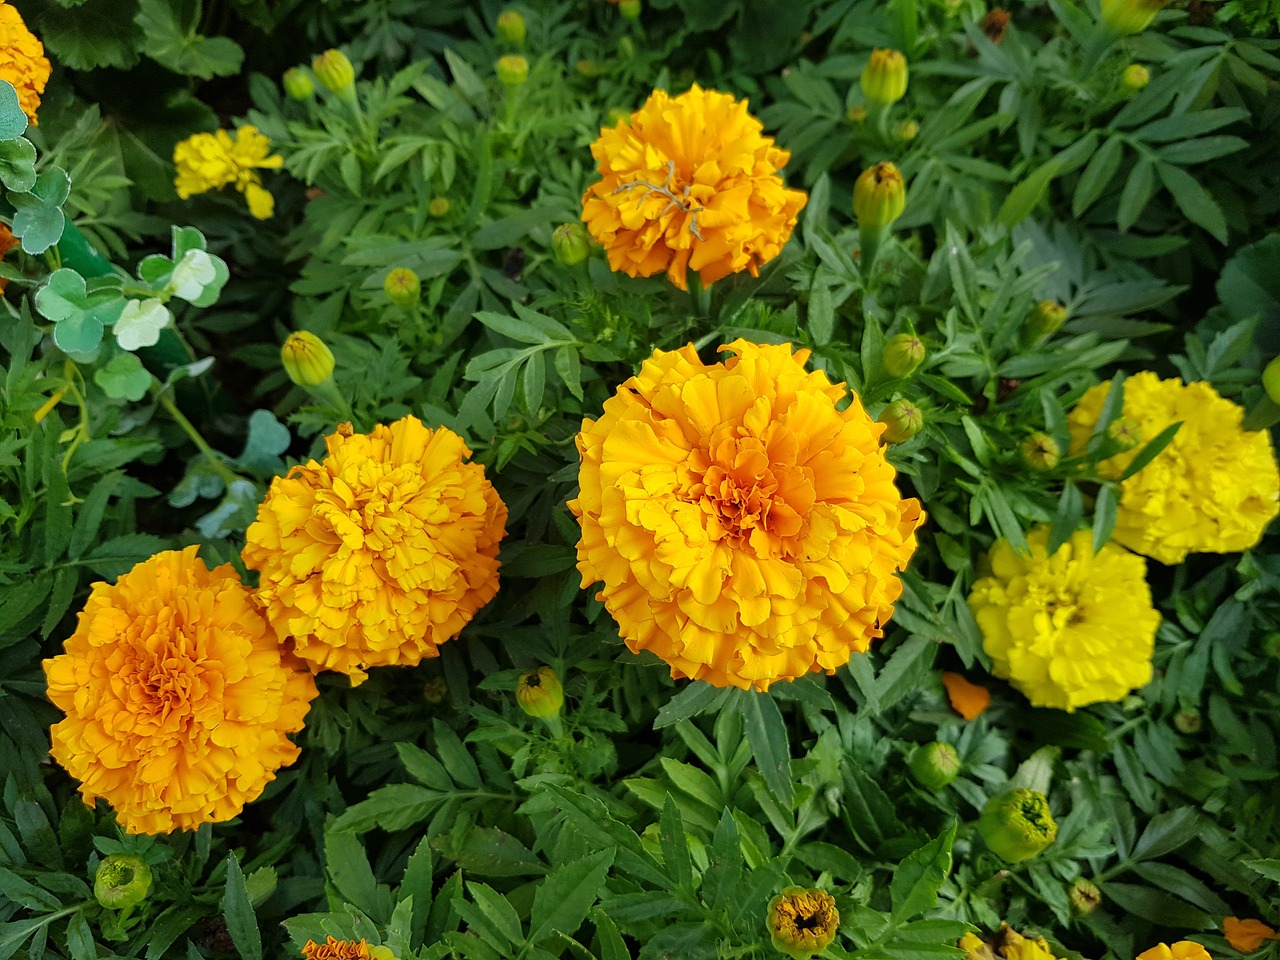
915 884
562 900
1194 201
242 922
175 44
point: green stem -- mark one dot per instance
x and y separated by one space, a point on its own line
701 295
228 475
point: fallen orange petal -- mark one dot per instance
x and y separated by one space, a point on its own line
967 699
1247 935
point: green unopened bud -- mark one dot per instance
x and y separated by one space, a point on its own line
1271 380
402 286
335 73
902 355
856 114
512 70
1134 78
1084 896
306 358
1129 16
902 420
571 243
297 84
539 693
884 78
1040 451
802 921
879 196
630 10
511 28
906 130
1271 644
122 882
1123 434
626 48
435 690
588 68
438 207
934 765
1188 721
1017 825
1046 317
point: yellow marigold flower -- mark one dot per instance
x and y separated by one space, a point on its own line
1018 947
745 529
177 698
380 553
1247 936
689 183
1182 950
335 949
1213 489
803 922
1070 629
210 161
22 60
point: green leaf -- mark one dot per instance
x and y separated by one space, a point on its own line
172 40
1105 509
242 922
675 846
13 121
498 911
38 218
770 745
1027 194
18 164
1194 201
561 902
1151 450
124 378
1100 171
1067 518
1268 868
1166 832
1137 192
268 439
98 33
915 884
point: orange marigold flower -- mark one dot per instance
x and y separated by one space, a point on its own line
22 60
1182 950
967 699
689 183
335 949
746 530
1247 935
177 696
382 552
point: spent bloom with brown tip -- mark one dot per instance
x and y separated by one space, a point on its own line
802 921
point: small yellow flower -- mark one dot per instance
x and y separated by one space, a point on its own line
884 78
22 60
306 359
803 922
1069 629
210 161
1182 950
690 183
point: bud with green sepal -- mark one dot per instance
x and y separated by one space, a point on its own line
336 74
902 355
1017 825
902 420
630 10
122 882
402 287
310 363
512 70
802 922
1040 451
539 693
934 765
1134 78
1045 318
1267 410
571 244
884 78
1124 17
879 197
298 85
1084 896
511 28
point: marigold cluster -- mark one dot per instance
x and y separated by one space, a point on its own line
689 183
22 60
381 552
177 697
744 528
210 161
1069 629
1213 489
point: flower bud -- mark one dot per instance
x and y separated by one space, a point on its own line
879 196
297 84
1129 16
539 693
856 114
306 358
435 690
512 70
1040 451
1084 896
402 286
902 355
511 28
1017 825
1271 644
906 130
1134 78
571 244
884 78
335 73
934 765
122 882
630 10
438 207
1045 318
1123 434
802 922
1188 721
588 68
1271 380
902 420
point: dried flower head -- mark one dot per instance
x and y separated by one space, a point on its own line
1213 489
746 530
803 922
177 697
381 552
690 183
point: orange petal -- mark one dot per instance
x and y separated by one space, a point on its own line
967 699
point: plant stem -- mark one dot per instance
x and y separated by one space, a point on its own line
228 475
